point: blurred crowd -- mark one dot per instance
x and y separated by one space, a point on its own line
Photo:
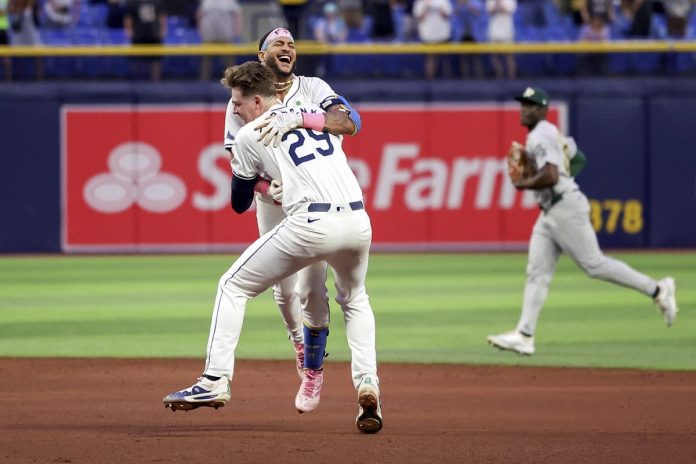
81 22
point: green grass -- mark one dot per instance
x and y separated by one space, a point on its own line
429 308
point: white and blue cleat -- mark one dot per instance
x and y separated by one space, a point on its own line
205 392
369 418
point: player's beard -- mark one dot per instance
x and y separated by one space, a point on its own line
279 73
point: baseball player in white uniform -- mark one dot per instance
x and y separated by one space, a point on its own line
277 52
326 221
563 226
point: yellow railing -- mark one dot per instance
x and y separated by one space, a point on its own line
317 48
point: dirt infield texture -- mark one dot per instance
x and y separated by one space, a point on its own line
95 410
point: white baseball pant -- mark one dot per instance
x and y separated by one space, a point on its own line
292 294
566 228
342 238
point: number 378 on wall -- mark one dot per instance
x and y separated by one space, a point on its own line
608 215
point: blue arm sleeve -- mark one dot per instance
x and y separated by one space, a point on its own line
353 115
242 193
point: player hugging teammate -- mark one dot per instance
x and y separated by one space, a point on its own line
287 121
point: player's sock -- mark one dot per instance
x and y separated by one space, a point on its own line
211 377
656 292
315 347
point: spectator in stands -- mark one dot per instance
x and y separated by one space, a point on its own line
501 29
5 38
24 28
294 11
598 15
23 24
639 15
219 22
115 13
466 13
534 13
382 14
330 27
145 22
60 14
433 20
572 8
353 15
677 13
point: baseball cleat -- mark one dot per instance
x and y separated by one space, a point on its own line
513 341
666 300
307 399
299 358
369 418
205 392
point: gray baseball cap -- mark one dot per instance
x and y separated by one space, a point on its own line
534 95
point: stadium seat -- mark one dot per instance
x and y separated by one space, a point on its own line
114 37
92 15
87 36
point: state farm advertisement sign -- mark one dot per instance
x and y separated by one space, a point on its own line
156 178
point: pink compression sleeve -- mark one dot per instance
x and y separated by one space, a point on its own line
314 121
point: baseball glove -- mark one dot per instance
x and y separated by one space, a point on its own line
520 164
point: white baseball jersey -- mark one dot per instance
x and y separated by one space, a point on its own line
304 91
545 145
311 165
313 169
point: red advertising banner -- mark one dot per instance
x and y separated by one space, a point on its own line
155 177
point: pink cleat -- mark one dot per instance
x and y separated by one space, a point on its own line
307 398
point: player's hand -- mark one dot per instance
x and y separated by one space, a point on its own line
274 127
517 161
275 191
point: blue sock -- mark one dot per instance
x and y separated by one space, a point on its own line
315 347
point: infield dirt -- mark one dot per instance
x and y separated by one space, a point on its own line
110 411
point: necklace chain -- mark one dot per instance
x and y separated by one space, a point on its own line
280 86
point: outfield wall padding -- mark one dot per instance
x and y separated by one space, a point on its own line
638 135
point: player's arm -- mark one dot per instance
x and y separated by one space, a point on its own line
545 177
242 193
245 177
340 117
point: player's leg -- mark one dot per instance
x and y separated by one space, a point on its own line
576 236
578 239
285 295
270 258
541 265
269 215
350 270
312 292
314 302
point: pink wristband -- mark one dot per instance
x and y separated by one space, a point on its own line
314 121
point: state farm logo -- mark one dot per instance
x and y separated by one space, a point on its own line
134 177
